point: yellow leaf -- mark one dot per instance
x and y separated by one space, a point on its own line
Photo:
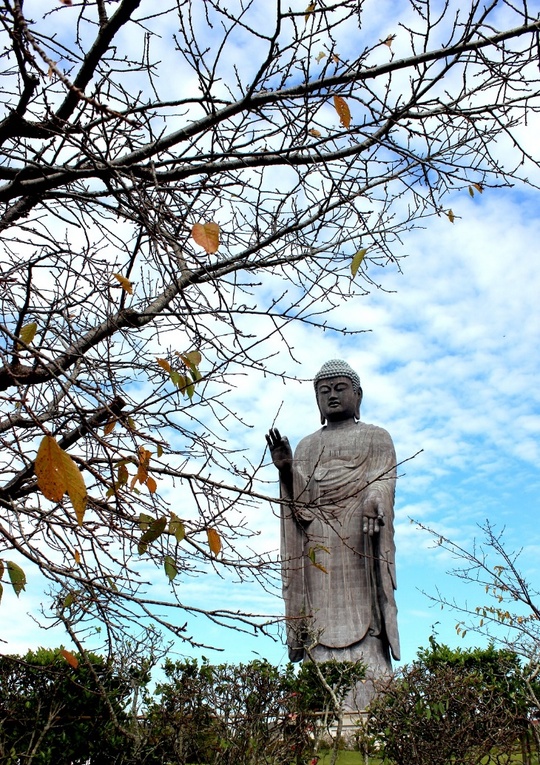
207 236
357 261
126 284
77 556
319 57
123 475
57 473
214 542
159 450
70 658
109 427
76 488
151 484
450 215
314 133
471 191
320 567
191 358
479 187
309 10
164 364
50 477
343 111
28 332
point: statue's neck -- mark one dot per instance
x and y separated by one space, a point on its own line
340 424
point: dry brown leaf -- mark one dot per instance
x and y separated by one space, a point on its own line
214 541
343 111
164 364
207 236
109 427
70 658
144 462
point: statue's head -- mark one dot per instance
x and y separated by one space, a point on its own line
338 391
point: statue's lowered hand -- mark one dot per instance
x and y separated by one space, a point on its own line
372 516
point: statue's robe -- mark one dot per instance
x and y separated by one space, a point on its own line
338 583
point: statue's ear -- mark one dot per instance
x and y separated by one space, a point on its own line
323 420
357 410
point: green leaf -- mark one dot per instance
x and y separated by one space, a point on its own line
69 600
154 530
170 567
176 528
17 577
145 520
357 261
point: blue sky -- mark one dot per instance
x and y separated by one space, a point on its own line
449 366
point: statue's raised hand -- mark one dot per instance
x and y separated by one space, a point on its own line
280 450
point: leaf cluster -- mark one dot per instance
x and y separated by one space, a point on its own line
451 705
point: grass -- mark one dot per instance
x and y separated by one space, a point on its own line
346 757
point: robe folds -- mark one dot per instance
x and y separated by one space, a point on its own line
338 583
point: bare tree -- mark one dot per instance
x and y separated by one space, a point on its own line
181 181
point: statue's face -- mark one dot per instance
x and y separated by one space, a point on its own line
337 399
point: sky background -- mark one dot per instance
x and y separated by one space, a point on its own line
449 366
